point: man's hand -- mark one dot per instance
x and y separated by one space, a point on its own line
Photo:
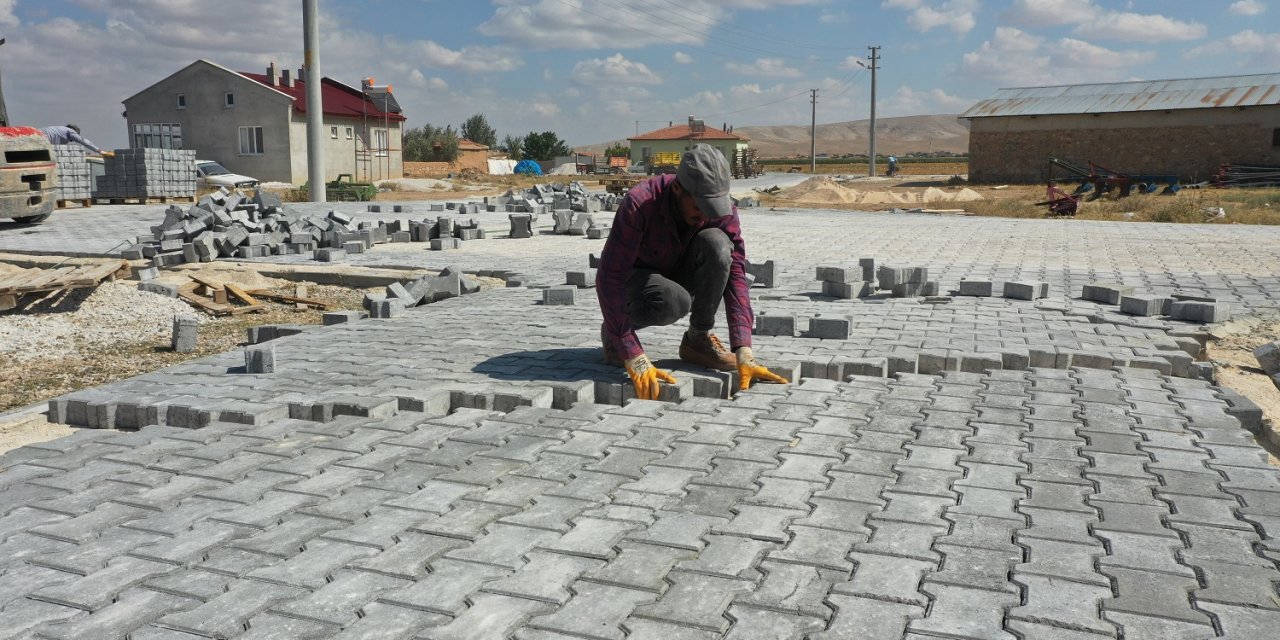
749 370
646 377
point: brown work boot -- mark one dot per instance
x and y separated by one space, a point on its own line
610 354
708 352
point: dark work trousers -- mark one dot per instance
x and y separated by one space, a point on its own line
698 286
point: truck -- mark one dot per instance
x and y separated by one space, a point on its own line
664 162
28 175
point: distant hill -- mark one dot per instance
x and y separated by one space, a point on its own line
893 135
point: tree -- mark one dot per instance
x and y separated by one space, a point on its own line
618 150
477 129
430 144
544 146
514 146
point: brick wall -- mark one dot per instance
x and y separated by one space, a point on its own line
1016 151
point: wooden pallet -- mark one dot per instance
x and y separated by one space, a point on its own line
151 200
83 202
210 295
59 279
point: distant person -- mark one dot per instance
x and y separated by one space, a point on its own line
69 134
893 166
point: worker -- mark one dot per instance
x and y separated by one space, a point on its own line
676 248
70 134
893 166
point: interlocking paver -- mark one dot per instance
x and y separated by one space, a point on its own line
1061 497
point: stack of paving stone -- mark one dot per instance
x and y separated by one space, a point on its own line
228 224
148 173
75 178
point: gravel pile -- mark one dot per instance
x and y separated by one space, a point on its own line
112 314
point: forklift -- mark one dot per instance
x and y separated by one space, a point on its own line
28 172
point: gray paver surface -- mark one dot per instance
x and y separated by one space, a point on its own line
471 469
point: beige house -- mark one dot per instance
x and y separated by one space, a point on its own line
1187 128
473 155
256 123
681 138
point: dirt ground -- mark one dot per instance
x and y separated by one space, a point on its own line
1231 351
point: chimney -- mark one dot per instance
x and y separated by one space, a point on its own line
301 76
273 74
286 78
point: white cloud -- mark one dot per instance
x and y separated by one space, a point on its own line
1016 58
1262 49
1135 27
957 15
1247 8
545 109
834 18
615 70
590 24
1071 53
7 17
909 102
1048 13
765 68
681 57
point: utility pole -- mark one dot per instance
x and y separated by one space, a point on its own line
875 57
315 103
813 133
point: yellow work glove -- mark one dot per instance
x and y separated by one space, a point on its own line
749 370
646 377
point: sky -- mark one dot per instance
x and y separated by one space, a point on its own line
599 70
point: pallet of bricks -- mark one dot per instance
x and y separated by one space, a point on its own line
75 177
139 176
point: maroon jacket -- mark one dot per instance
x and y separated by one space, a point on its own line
646 235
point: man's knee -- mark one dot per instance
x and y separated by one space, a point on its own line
660 305
715 246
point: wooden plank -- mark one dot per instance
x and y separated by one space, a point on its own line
80 275
240 294
188 292
48 277
18 279
257 308
208 282
8 301
279 297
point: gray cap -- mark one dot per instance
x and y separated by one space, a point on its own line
704 174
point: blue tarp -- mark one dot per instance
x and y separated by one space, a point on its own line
528 167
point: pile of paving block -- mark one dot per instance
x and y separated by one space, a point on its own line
570 205
228 224
147 173
75 176
1189 308
866 280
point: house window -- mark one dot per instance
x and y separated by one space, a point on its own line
333 132
182 101
1275 137
250 141
229 99
157 136
380 142
350 133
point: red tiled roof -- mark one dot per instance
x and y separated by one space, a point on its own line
682 132
338 98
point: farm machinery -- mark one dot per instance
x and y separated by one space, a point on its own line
1097 181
